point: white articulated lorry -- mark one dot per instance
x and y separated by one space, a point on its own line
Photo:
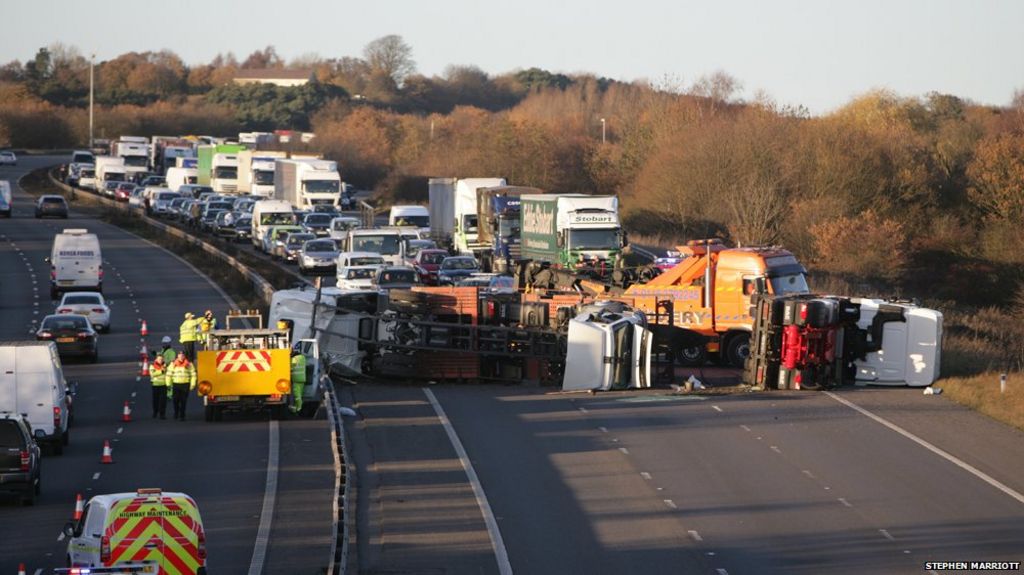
256 172
453 213
307 182
134 150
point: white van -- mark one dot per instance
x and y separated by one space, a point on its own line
75 262
266 213
177 177
341 225
5 198
32 382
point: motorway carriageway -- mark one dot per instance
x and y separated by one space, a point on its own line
495 479
224 466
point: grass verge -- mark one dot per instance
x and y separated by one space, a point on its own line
981 393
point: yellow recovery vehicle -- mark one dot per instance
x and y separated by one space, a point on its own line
245 368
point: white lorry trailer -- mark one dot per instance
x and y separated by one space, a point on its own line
109 169
452 210
305 183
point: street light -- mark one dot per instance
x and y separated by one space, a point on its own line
604 132
92 63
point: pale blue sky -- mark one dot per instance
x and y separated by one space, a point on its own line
815 53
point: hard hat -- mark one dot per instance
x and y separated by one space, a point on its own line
208 312
188 315
166 339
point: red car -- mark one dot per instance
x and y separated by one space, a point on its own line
123 191
427 262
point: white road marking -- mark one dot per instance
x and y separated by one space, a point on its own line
827 488
937 451
133 393
96 475
716 408
845 502
670 503
582 409
721 572
886 534
59 538
808 473
40 570
497 543
775 449
120 429
695 536
603 429
259 551
645 475
624 450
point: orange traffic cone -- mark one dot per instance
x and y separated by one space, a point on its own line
144 352
21 569
79 508
145 330
145 368
108 454
126 415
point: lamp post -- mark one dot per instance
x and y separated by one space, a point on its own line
92 63
604 132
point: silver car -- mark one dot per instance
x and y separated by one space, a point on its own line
319 257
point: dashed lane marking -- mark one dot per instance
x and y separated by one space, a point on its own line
886 534
624 450
721 572
694 535
775 449
845 502
603 429
808 473
671 504
120 429
645 475
716 408
96 475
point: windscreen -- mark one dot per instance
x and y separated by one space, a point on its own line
469 224
459 264
81 299
219 206
398 276
319 246
263 177
277 218
64 322
225 172
343 225
321 186
600 239
366 261
793 283
166 196
417 221
136 161
318 219
508 227
379 244
87 173
433 258
360 273
9 435
296 240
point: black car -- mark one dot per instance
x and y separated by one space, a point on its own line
55 206
455 268
155 181
73 334
20 458
243 228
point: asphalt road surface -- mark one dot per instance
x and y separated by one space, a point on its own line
224 466
786 482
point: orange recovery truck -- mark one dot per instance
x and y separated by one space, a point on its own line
709 294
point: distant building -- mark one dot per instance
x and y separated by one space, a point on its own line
275 76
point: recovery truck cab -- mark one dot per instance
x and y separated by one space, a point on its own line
148 531
246 368
709 293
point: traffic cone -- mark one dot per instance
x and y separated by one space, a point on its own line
108 454
144 352
79 508
145 330
145 368
126 415
21 569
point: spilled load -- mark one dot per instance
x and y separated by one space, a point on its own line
820 342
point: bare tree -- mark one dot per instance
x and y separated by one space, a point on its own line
391 56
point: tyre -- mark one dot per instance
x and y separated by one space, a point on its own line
692 356
39 485
737 350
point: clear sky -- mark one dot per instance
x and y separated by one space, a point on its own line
815 53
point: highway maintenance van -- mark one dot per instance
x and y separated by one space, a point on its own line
76 263
149 531
32 383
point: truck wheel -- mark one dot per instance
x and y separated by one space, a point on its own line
737 350
694 356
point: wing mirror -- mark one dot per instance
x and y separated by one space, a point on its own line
69 530
46 259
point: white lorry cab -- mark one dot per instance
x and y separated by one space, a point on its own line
75 262
32 382
148 528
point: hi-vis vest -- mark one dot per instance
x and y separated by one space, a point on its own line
299 368
158 374
187 331
182 372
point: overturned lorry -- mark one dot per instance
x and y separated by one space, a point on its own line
464 334
805 341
